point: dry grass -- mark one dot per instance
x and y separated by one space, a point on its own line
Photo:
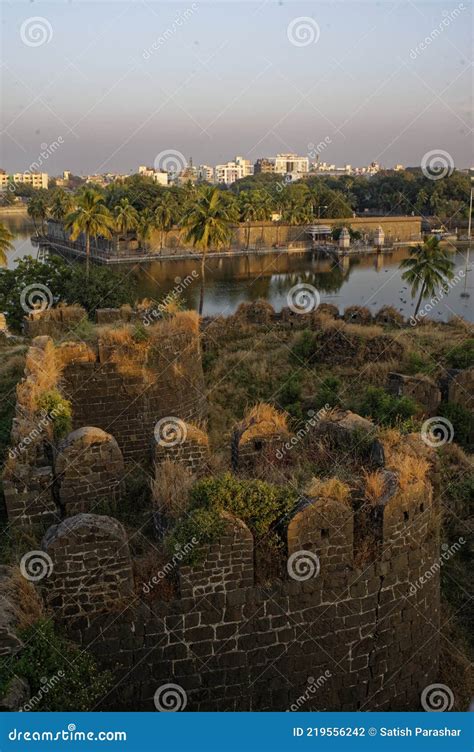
183 321
376 373
411 471
262 420
170 488
196 434
330 488
42 373
374 486
27 604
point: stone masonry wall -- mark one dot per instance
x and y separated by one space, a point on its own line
372 630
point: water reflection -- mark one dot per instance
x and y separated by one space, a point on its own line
372 280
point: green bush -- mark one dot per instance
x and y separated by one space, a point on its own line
328 392
262 506
304 347
61 676
462 356
417 363
386 409
289 394
461 419
59 410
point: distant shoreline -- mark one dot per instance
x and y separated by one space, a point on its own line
9 210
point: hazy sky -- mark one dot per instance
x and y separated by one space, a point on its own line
120 82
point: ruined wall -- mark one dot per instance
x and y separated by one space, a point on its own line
371 629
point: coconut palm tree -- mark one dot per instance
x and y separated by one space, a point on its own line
146 223
38 208
208 224
62 204
6 244
427 269
249 211
91 218
165 212
126 216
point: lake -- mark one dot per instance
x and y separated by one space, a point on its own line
370 280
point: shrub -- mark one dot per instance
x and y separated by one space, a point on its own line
462 356
204 525
386 409
74 683
170 488
461 419
289 394
328 393
59 410
304 347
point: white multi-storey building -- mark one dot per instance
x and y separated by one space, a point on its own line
158 176
35 179
231 171
291 164
205 173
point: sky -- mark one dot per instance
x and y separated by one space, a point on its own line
103 86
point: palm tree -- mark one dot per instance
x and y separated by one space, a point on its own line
61 204
6 244
427 269
164 212
208 224
92 218
146 223
38 207
248 211
126 217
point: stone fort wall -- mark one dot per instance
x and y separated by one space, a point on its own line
371 630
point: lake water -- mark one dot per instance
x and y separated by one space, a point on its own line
368 280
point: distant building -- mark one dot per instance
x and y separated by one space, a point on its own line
264 165
205 173
158 176
291 164
399 167
35 179
229 172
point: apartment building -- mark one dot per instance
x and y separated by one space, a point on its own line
291 164
158 176
35 179
231 171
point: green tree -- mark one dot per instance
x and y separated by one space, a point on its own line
91 218
164 213
61 205
38 209
146 223
126 216
6 244
208 224
427 269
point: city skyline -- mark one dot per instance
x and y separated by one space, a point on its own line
121 82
